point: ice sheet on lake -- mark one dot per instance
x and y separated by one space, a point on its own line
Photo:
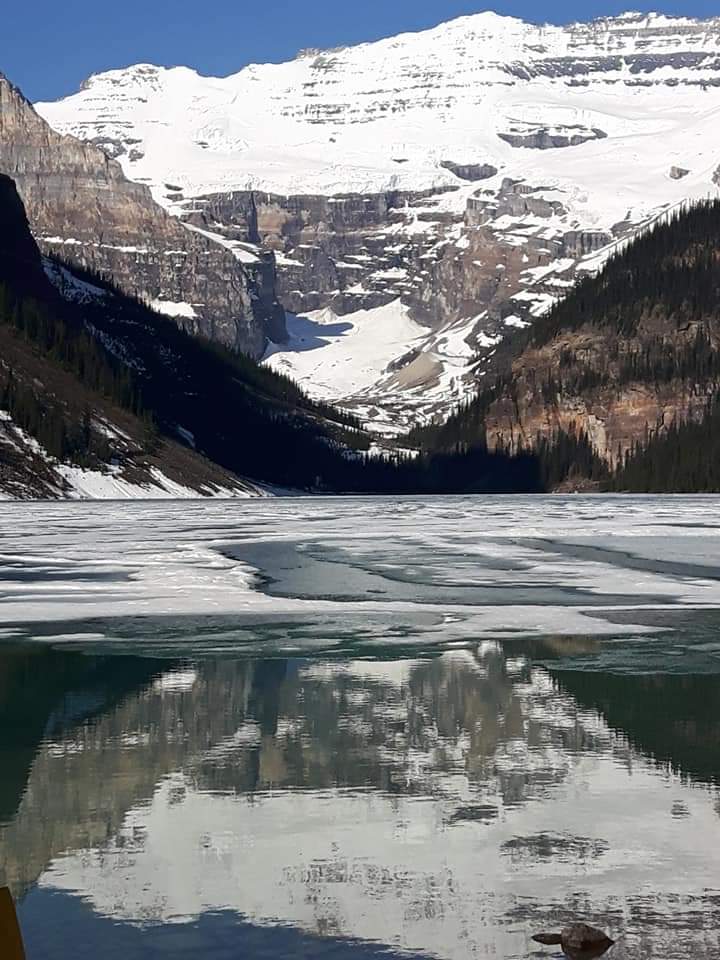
440 571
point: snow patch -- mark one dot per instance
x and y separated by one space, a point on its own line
69 286
331 355
173 308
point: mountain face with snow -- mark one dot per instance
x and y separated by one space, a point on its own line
425 195
619 381
83 209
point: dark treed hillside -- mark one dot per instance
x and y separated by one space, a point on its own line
623 363
670 273
242 416
63 390
686 458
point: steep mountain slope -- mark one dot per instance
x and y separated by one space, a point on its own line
463 175
71 423
626 368
83 208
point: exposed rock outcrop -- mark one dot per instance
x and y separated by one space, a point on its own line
470 171
614 418
542 138
348 252
359 251
83 208
678 173
514 198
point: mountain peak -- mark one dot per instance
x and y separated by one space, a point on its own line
516 38
461 173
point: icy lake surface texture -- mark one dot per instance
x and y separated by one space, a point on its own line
354 728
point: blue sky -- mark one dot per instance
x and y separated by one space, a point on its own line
48 47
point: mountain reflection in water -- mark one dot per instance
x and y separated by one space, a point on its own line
450 806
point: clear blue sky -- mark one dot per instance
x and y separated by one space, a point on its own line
48 47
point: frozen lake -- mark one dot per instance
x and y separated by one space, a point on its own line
361 727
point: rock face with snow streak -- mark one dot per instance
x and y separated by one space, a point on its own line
332 251
467 171
83 208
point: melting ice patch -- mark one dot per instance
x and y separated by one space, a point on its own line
295 575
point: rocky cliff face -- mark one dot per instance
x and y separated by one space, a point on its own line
83 208
332 251
462 275
614 417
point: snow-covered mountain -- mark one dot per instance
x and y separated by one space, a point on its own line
428 194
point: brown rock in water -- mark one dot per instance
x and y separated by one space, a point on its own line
579 941
10 937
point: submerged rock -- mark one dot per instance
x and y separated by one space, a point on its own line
579 941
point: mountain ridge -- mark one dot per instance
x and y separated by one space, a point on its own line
468 173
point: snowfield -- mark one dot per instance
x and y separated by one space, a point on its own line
330 356
44 477
383 116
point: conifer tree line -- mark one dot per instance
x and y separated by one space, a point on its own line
684 459
43 417
70 346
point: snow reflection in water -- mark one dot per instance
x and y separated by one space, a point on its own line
451 805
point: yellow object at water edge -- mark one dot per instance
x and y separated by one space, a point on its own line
11 945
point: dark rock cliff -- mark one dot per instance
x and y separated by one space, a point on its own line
19 256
